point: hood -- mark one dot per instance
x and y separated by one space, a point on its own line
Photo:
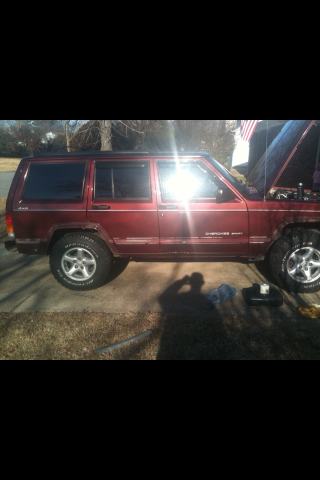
273 163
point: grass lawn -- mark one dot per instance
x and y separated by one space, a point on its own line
75 336
9 164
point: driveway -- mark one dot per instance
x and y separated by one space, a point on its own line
5 183
26 285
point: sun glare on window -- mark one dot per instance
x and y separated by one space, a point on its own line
182 185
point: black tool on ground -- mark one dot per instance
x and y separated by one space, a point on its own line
254 298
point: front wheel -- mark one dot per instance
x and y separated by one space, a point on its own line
295 262
80 261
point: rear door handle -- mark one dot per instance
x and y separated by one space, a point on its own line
168 207
100 207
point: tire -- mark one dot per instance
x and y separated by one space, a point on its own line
295 262
80 261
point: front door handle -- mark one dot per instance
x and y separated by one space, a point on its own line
168 207
100 207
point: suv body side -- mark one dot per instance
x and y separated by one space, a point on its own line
130 227
154 224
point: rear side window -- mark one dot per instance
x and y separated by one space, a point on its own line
119 180
55 181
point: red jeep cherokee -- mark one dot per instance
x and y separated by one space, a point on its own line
83 209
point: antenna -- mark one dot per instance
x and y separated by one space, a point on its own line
265 163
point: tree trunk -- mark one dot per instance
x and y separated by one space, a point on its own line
67 134
105 129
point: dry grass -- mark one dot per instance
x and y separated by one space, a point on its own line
66 336
9 164
3 229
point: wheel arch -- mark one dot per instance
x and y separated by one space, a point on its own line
59 231
291 226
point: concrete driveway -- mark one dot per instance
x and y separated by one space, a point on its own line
26 285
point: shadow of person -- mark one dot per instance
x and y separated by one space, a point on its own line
189 301
187 323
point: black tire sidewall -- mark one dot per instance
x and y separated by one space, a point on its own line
97 249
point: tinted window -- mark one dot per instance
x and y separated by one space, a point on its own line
122 180
55 181
103 186
187 181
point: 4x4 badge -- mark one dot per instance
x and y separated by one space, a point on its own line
23 208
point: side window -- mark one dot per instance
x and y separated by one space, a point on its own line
55 181
118 180
186 181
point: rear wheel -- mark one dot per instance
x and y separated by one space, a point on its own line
295 262
80 261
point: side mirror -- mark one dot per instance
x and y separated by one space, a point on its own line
224 195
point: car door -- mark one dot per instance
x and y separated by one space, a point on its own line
122 200
190 219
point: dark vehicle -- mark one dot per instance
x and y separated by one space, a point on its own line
84 209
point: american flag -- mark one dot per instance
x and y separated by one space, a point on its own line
247 129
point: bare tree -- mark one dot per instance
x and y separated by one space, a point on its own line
93 134
122 134
106 134
214 136
67 123
70 127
